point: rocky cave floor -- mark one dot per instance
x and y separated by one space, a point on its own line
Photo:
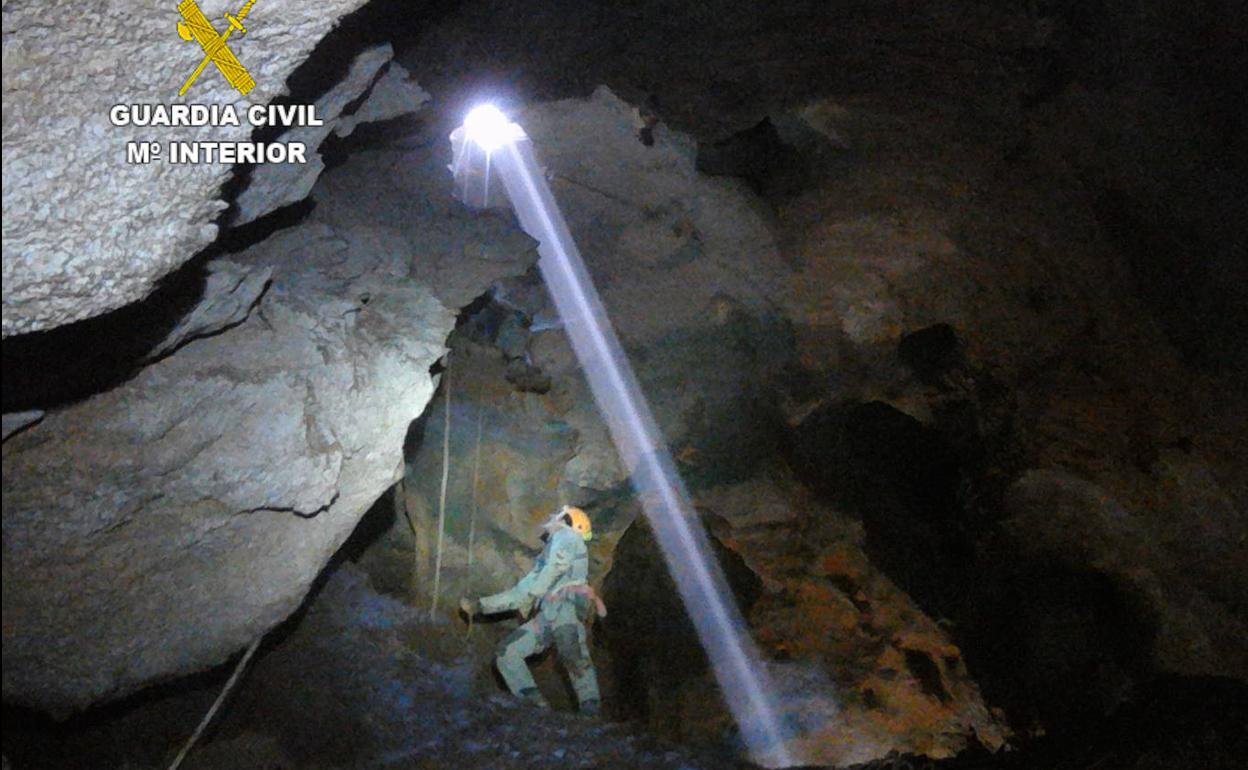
360 679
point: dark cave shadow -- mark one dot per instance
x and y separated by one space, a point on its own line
33 739
1044 639
62 366
653 646
1200 309
57 367
1180 722
1056 645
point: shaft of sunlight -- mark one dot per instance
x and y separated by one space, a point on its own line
490 143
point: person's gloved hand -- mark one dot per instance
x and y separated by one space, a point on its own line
470 607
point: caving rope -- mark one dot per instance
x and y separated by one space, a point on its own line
476 478
446 472
229 685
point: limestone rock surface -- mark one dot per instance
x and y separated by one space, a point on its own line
86 232
230 292
394 94
17 420
387 93
153 529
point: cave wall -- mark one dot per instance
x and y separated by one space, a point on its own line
684 262
1144 102
85 232
955 363
1025 181
155 527
704 313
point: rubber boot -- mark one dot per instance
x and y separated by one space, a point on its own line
534 696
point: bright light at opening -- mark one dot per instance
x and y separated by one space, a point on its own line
488 128
489 141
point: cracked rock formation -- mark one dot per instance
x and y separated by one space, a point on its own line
230 292
85 232
388 93
153 529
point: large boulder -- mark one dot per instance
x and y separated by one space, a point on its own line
153 529
860 670
84 231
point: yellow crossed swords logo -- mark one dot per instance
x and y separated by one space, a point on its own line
195 24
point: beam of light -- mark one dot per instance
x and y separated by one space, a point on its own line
488 140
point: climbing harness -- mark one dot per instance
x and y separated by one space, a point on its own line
581 589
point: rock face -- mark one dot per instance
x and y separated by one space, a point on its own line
18 420
864 670
155 528
398 689
85 232
385 96
689 275
1187 569
189 509
684 264
394 94
942 398
229 294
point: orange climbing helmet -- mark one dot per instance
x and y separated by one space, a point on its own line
578 520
